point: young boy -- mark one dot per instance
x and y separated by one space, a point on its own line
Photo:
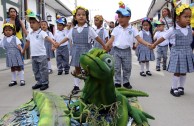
102 33
35 40
62 52
162 48
122 39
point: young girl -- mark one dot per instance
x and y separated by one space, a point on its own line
81 36
13 48
102 33
48 45
145 54
62 52
181 56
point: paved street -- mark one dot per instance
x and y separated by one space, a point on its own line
168 110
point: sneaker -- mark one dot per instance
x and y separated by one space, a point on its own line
44 87
127 85
181 90
13 83
36 86
148 73
142 74
22 83
117 85
50 71
175 92
75 90
60 72
157 68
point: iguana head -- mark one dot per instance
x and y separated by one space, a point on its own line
98 64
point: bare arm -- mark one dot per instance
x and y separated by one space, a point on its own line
20 48
50 40
157 42
27 44
106 39
23 28
63 41
140 40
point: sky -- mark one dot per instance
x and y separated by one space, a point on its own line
107 8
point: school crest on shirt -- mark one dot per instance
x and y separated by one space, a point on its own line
130 32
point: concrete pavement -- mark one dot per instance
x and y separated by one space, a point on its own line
168 110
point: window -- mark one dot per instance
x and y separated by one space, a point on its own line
192 1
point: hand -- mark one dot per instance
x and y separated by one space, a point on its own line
107 48
56 45
53 48
152 46
22 52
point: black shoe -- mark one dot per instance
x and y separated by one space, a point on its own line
50 71
60 72
36 86
22 83
175 92
13 83
117 85
157 68
66 72
44 87
127 85
142 74
164 67
75 90
181 90
148 73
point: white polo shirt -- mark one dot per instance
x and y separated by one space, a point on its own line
18 42
105 33
60 35
124 37
36 38
91 33
158 35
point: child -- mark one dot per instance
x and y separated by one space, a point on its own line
48 45
102 33
81 36
35 40
181 56
13 48
62 52
162 48
145 54
122 39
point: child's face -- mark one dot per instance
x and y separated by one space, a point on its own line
146 26
112 25
44 26
123 20
34 24
97 22
160 27
184 19
80 16
8 31
60 27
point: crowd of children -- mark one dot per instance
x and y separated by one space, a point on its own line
119 39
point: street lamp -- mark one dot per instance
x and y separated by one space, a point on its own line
49 18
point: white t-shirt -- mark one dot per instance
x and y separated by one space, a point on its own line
60 35
18 42
36 39
105 33
160 34
170 33
91 33
124 37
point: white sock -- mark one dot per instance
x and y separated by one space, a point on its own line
182 80
175 82
76 82
142 67
147 66
21 75
49 64
13 76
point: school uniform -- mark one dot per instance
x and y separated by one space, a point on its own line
62 52
162 49
48 46
123 42
39 58
181 55
81 38
144 53
103 34
13 54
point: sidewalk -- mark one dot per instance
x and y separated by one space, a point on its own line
3 63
